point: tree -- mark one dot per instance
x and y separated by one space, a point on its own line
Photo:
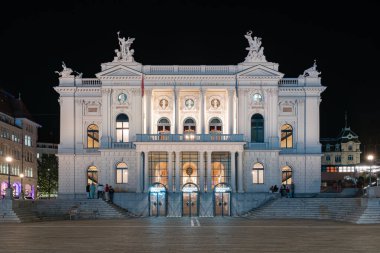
48 174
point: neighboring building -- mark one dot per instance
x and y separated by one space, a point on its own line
341 157
18 136
50 149
188 139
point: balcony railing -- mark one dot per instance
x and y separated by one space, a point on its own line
257 145
190 137
122 145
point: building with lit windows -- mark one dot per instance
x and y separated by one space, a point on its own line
18 137
198 140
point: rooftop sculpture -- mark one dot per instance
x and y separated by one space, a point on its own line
256 51
124 53
312 72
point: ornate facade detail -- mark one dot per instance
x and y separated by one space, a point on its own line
255 50
66 72
124 54
312 72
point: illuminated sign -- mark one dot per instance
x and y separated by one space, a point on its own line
222 189
189 188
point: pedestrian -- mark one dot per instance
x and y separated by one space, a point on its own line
292 187
88 190
275 188
287 192
100 190
111 191
271 189
92 190
107 192
283 190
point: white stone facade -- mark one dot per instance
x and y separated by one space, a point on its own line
231 94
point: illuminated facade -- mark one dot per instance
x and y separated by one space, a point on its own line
18 136
189 140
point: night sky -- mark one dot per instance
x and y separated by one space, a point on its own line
36 37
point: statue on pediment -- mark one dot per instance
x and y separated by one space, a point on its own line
312 72
255 51
66 72
125 53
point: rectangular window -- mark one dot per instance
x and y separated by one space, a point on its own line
327 158
338 159
258 176
350 157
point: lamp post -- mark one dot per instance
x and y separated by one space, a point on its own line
9 193
21 196
49 183
370 159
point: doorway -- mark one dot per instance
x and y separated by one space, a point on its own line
222 200
190 200
157 200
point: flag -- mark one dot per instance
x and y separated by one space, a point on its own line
236 86
142 86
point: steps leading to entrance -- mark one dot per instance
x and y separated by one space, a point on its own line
372 212
344 209
58 209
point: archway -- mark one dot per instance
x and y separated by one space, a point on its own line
157 200
222 199
190 200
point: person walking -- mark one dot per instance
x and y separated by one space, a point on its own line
111 192
107 192
92 190
292 189
88 190
100 190
287 192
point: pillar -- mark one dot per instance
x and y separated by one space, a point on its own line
230 111
177 172
176 111
146 171
170 171
201 172
202 116
240 172
148 109
208 168
233 172
140 173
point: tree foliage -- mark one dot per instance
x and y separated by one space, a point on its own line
48 174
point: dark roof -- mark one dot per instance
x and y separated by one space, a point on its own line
13 107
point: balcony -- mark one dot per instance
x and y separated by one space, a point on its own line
123 145
189 137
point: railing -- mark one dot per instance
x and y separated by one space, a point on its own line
91 82
257 145
190 69
288 81
190 138
122 145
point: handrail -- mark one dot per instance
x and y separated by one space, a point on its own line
190 137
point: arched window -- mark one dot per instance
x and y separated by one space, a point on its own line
122 128
92 175
215 126
121 173
287 175
258 173
189 125
257 128
163 126
92 136
286 136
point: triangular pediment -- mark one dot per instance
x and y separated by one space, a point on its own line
119 71
260 71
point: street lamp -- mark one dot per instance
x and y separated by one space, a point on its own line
21 196
370 158
49 183
9 193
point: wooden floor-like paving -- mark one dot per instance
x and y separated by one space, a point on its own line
189 235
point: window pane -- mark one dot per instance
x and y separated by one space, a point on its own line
119 135
254 176
261 176
125 176
119 176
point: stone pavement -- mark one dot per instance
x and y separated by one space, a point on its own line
189 235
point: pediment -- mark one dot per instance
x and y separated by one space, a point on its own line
119 71
260 71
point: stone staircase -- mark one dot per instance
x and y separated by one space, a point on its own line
58 209
343 209
372 212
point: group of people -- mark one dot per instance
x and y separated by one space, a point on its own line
99 191
285 191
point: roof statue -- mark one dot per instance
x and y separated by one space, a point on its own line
312 72
66 72
256 51
124 53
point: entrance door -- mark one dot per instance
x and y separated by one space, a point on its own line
190 200
222 200
157 200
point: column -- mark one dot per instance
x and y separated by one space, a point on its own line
202 116
209 179
177 172
201 172
240 172
140 173
148 108
230 111
146 171
170 171
176 99
233 170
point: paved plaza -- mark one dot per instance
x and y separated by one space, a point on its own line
189 235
